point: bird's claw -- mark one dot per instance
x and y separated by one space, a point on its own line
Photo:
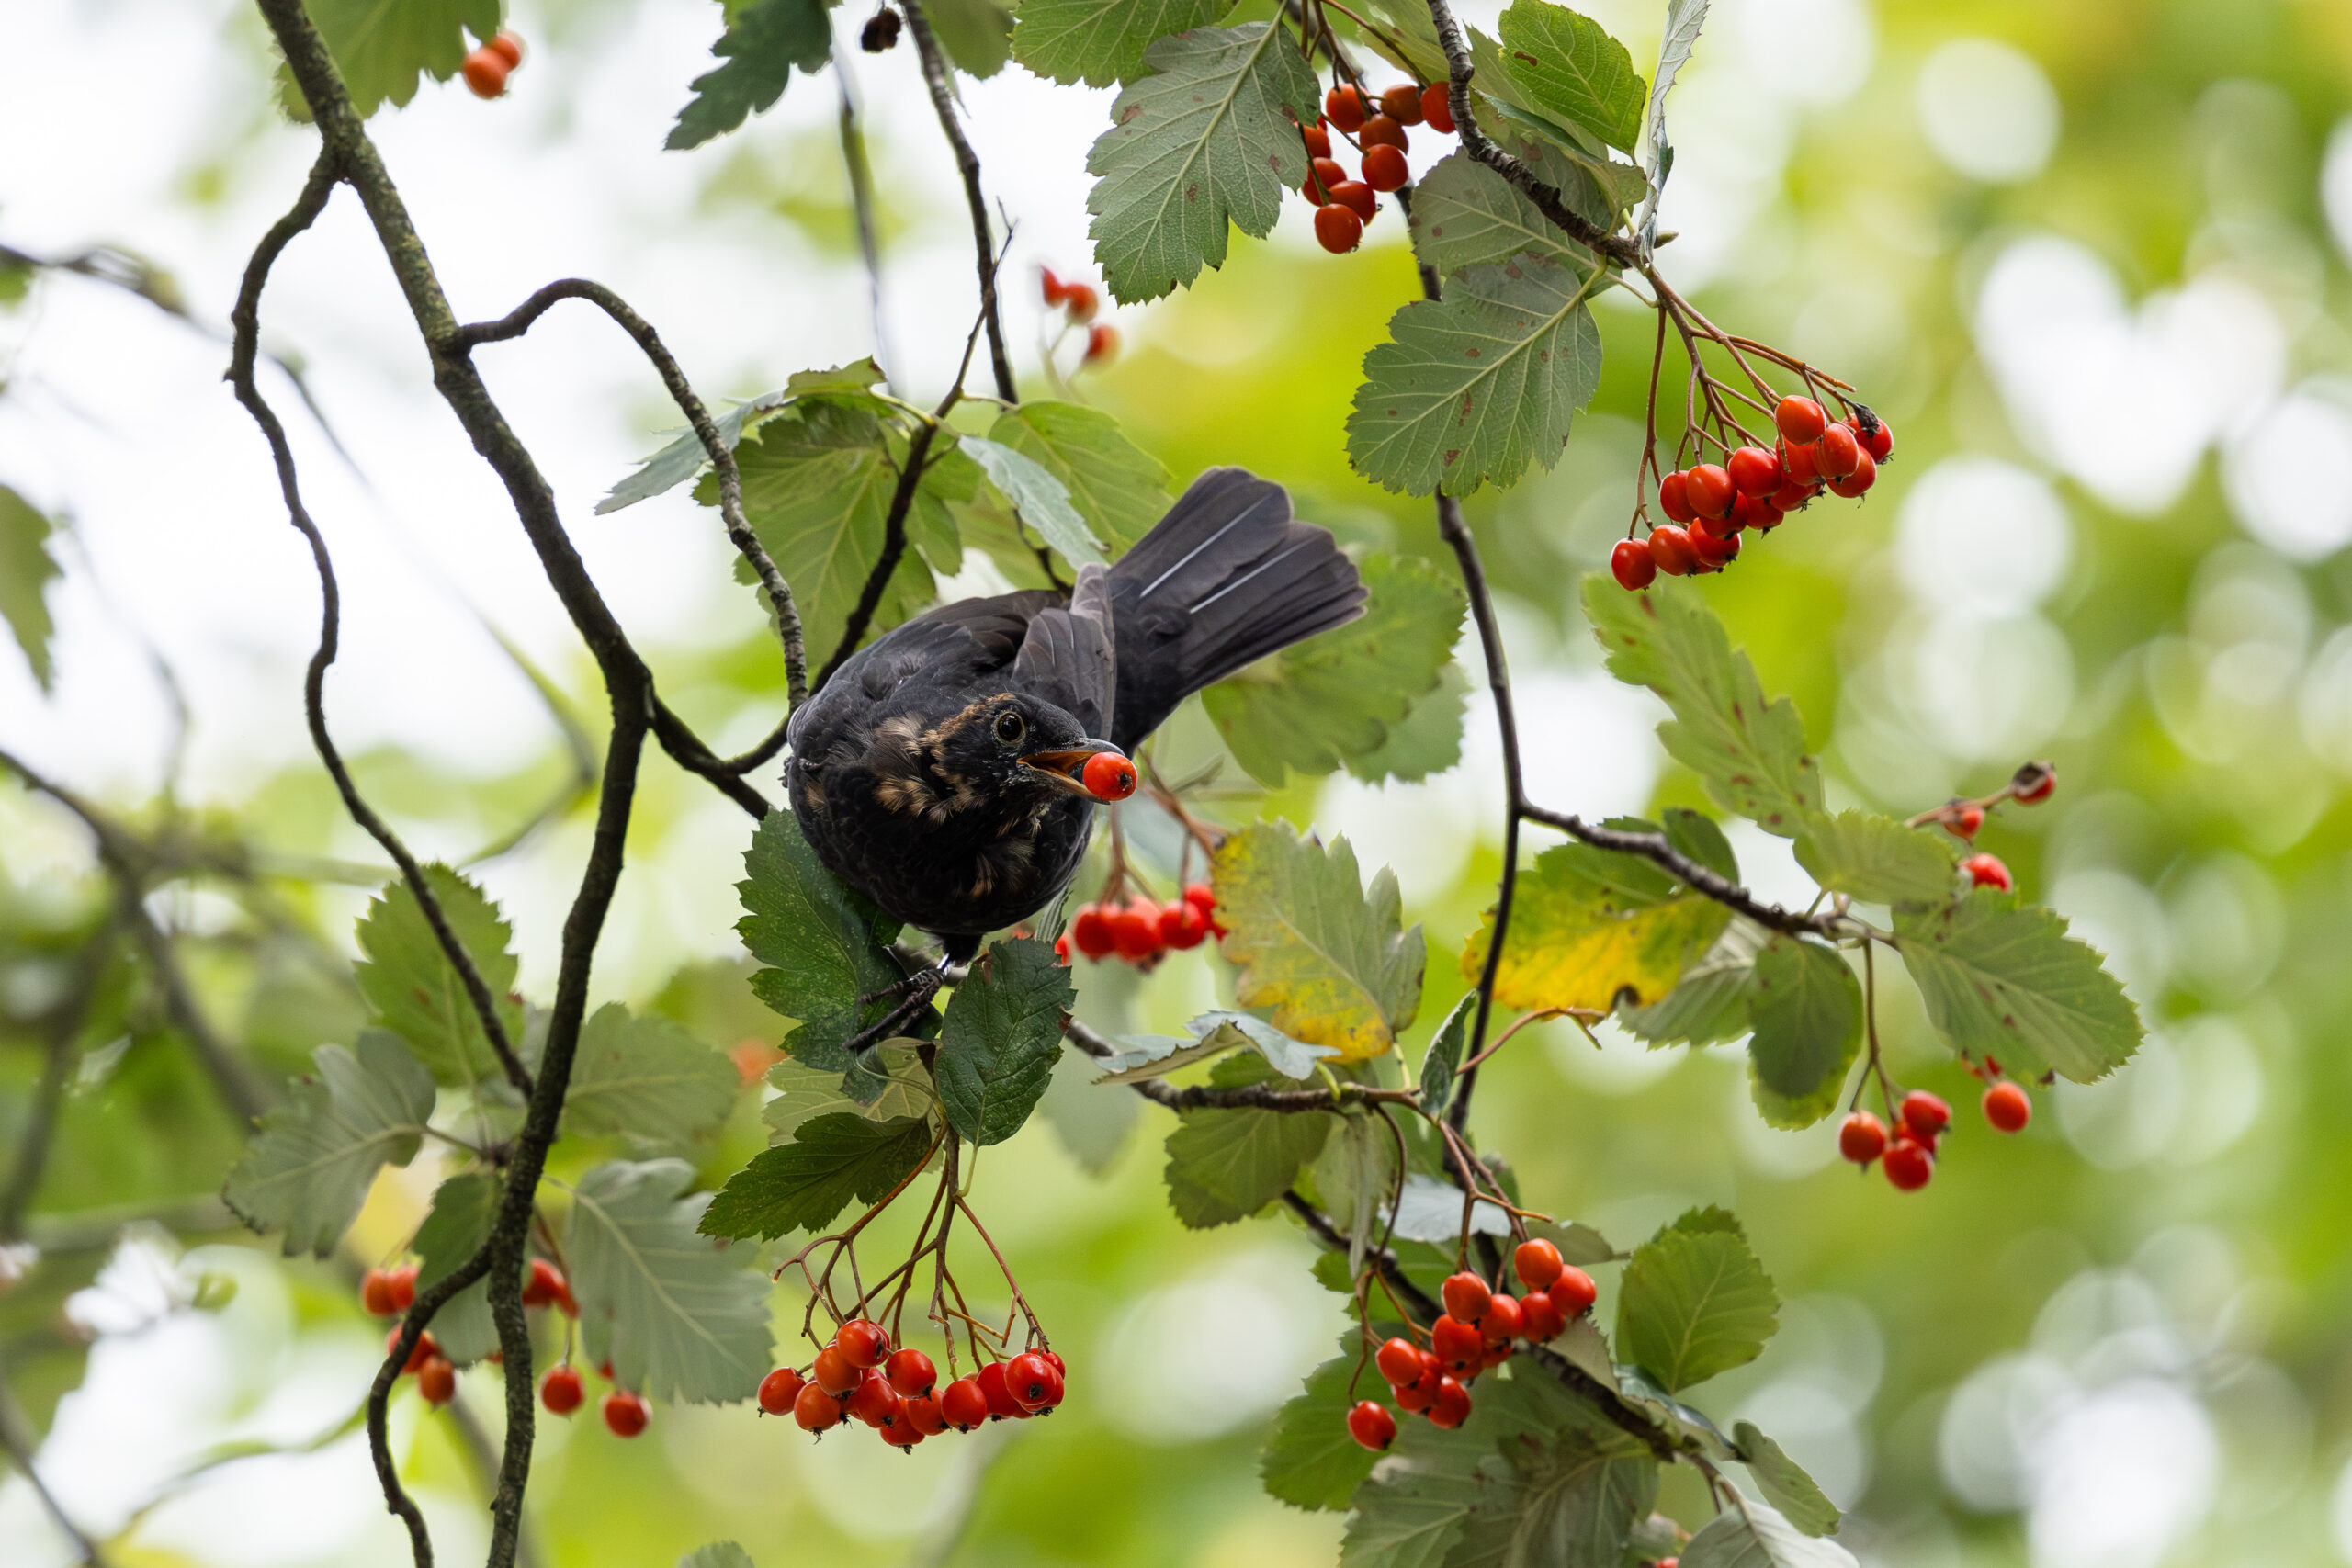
917 989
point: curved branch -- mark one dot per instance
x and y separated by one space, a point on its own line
1265 1096
934 75
379 1392
1653 847
686 748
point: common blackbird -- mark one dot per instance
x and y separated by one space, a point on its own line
939 771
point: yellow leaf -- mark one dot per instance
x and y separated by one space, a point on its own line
1589 925
1324 953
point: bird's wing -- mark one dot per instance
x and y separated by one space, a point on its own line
960 642
1067 659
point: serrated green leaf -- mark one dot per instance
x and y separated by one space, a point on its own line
762 44
1120 489
1590 926
803 1184
1224 1166
2006 981
1443 1059
1339 696
308 1168
1003 1034
1698 837
1748 752
26 568
1101 41
381 48
1427 740
1409 25
463 1208
975 35
1466 215
1758 1536
1312 943
414 988
1709 1005
1474 387
683 458
1580 1488
1875 859
1695 1428
718 1554
646 1079
1430 1210
822 943
804 1093
1784 1480
1209 139
1694 1302
1683 20
1807 1010
1413 1510
1567 65
677 1316
1039 498
1310 1462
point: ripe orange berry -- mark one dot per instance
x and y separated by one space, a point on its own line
1925 1114
1466 1296
1183 925
1324 173
1573 1293
438 1381
1633 565
1453 1406
1380 131
508 48
1383 168
1861 1137
1753 471
485 72
1709 488
1357 196
1402 102
1102 342
1537 1263
1909 1166
376 1293
2007 1108
1090 929
1800 420
403 1280
1674 497
1671 549
1713 549
625 1414
1837 453
813 1409
779 1389
1338 228
1108 776
1986 870
835 1373
1081 300
1344 108
2033 783
1318 140
1371 1423
1437 107
1055 290
1135 931
560 1391
862 1343
1864 475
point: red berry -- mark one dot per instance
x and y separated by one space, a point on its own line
1101 343
1710 489
1865 475
1108 776
560 1391
1081 300
1055 290
997 1389
2007 1107
836 1373
1402 102
1573 1293
1338 228
1383 168
1792 496
1344 108
543 1285
814 1409
1421 1392
485 72
1924 1115
508 48
962 1404
1381 131
1674 497
1201 894
903 1438
1711 548
1031 1379
1456 1344
1465 1296
625 1414
1399 1362
1671 549
1452 1405
1837 452
1437 107
1497 1354
1986 870
1322 175
1358 197
1753 471
1135 931
1633 565
1061 949
1541 1319
1183 925
777 1390
1877 435
438 1381
863 1343
876 1404
1801 463
2033 783
1861 1137
910 1372
1965 822
1503 1322
1752 511
604 1370
1318 140
1090 929
1909 1164
376 1293
1371 1423
403 1280
1800 420
425 1349
923 1416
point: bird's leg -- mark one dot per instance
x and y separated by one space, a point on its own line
917 988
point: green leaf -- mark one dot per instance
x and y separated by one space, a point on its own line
1210 1034
1211 138
1807 1008
1748 752
718 1554
1326 954
804 1183
1038 498
27 567
683 458
676 1317
1003 1033
1354 1177
1694 1302
1758 1536
1409 26
646 1079
381 47
463 1208
1427 740
1430 1210
762 42
1784 1480
1117 487
1466 215
1475 386
822 943
1338 696
1683 20
804 1093
1709 1005
415 989
1101 41
1310 1462
1443 1059
308 1168
975 35
1580 1489
1590 926
2006 981
1875 859
1412 1511
1569 67
1224 1166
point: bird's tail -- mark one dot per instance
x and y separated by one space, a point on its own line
1227 577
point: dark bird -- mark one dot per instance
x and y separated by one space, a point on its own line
943 771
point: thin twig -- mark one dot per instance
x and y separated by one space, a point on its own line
1653 847
943 101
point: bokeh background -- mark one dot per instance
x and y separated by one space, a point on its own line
2088 256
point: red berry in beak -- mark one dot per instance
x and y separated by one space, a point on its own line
1108 777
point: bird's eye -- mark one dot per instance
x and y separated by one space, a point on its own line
1009 729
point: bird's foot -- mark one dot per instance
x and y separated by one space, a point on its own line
916 990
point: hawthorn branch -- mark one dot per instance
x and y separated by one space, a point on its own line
1265 1096
1653 847
943 100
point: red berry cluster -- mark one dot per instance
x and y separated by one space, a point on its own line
1140 931
1476 1331
1342 205
1920 1123
625 1410
388 1292
1079 301
1709 504
486 69
895 1392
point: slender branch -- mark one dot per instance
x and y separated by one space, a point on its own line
1414 1298
934 73
686 748
1653 847
379 1393
1265 1096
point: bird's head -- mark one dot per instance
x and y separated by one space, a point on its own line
1019 746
